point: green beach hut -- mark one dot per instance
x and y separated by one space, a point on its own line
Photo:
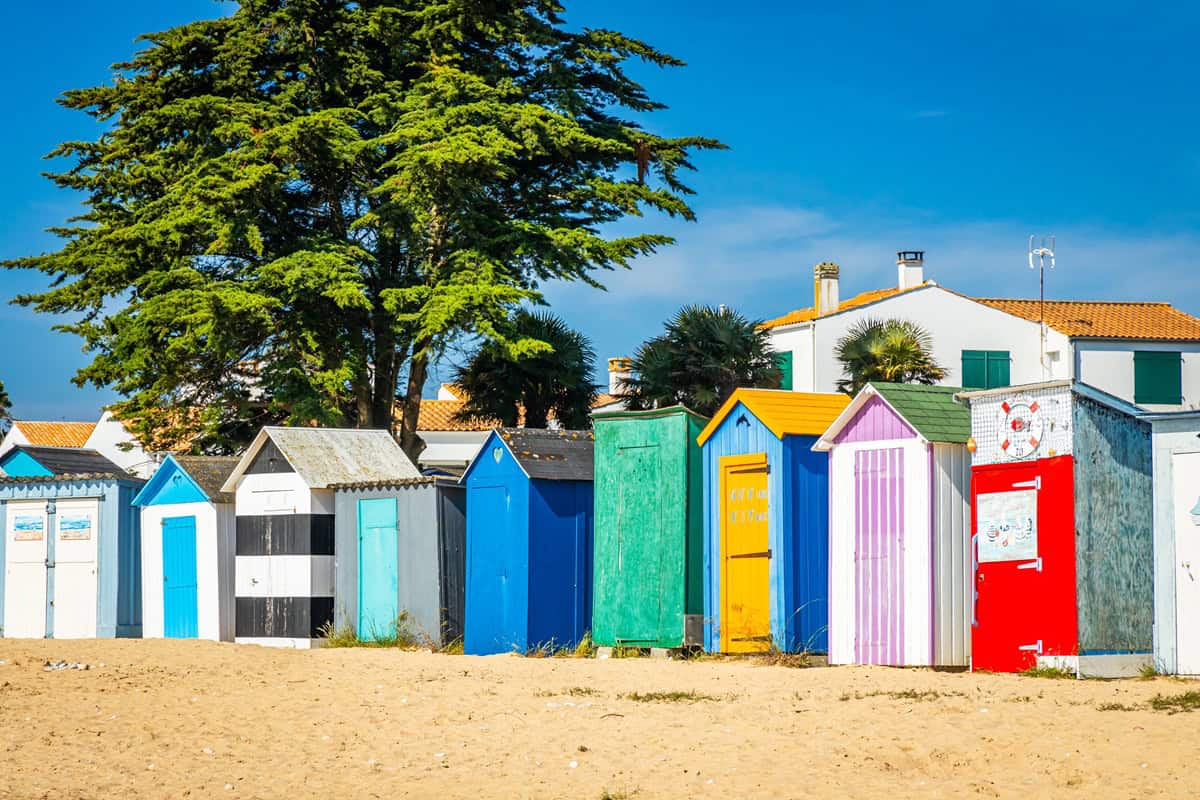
649 529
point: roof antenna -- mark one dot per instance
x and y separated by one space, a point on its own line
1042 253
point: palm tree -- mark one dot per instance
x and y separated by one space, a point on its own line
5 409
530 389
702 356
891 350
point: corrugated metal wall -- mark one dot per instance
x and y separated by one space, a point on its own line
1114 510
951 508
804 605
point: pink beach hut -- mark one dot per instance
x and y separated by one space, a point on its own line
899 527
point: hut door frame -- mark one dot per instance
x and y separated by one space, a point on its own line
760 642
1186 502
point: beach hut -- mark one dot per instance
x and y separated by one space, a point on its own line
188 537
284 554
1176 443
529 541
71 551
400 557
900 497
1062 510
27 461
649 542
766 521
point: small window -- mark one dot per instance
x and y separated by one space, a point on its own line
985 369
1157 378
784 362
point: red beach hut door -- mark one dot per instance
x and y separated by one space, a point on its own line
1023 549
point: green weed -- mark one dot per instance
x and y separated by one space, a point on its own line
399 634
1176 703
668 697
1054 673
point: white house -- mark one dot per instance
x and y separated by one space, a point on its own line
1145 353
108 437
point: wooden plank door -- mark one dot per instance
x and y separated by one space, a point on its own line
640 566
75 549
1186 471
181 613
378 568
879 556
25 572
1023 519
745 555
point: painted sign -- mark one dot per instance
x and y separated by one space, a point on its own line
1021 426
74 527
1007 526
28 528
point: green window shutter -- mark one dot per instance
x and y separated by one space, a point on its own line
997 368
784 362
985 369
974 369
1157 378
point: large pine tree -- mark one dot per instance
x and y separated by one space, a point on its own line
295 208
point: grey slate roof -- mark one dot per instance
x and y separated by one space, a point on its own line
72 461
210 474
325 457
551 455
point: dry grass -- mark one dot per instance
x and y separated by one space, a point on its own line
1053 673
400 634
690 696
1176 703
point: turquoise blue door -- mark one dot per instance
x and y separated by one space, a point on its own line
180 614
378 585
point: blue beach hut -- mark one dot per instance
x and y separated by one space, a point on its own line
529 541
766 522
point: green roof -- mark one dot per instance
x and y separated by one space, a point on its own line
931 410
648 413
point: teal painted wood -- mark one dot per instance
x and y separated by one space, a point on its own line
1114 523
170 484
649 527
18 464
378 588
181 614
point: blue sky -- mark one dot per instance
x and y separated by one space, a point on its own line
855 130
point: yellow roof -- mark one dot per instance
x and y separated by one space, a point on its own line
785 413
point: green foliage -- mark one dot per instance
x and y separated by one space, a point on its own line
891 350
691 696
702 356
293 209
1054 673
400 633
5 408
553 378
1176 703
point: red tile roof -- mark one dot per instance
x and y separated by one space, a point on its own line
56 434
1105 320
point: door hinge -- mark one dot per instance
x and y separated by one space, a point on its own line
1035 564
1036 647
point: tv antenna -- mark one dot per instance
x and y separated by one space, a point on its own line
1042 253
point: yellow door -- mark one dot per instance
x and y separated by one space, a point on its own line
745 555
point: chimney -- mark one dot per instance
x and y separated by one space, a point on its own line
910 264
618 369
825 288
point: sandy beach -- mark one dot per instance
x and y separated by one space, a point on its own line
196 719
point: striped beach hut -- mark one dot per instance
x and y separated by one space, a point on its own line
284 567
766 521
899 567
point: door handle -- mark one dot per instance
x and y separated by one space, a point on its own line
978 578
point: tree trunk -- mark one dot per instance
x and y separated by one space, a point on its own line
418 368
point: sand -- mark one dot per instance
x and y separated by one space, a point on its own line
197 719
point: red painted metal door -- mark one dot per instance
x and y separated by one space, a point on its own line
1023 549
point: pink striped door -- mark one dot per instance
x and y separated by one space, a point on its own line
879 556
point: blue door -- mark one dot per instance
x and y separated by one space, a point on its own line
378 567
492 624
180 613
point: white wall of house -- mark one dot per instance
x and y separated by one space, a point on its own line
112 441
14 437
1108 366
955 323
450 448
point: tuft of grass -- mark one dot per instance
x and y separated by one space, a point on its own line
573 691
607 795
902 694
1148 672
1176 703
1054 673
586 647
399 634
668 697
778 658
1115 707
454 647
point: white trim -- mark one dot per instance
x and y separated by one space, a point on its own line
296 644
826 443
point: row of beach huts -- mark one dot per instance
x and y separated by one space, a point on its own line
1046 524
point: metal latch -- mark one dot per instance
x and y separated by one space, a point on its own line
1036 483
1035 564
1036 647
